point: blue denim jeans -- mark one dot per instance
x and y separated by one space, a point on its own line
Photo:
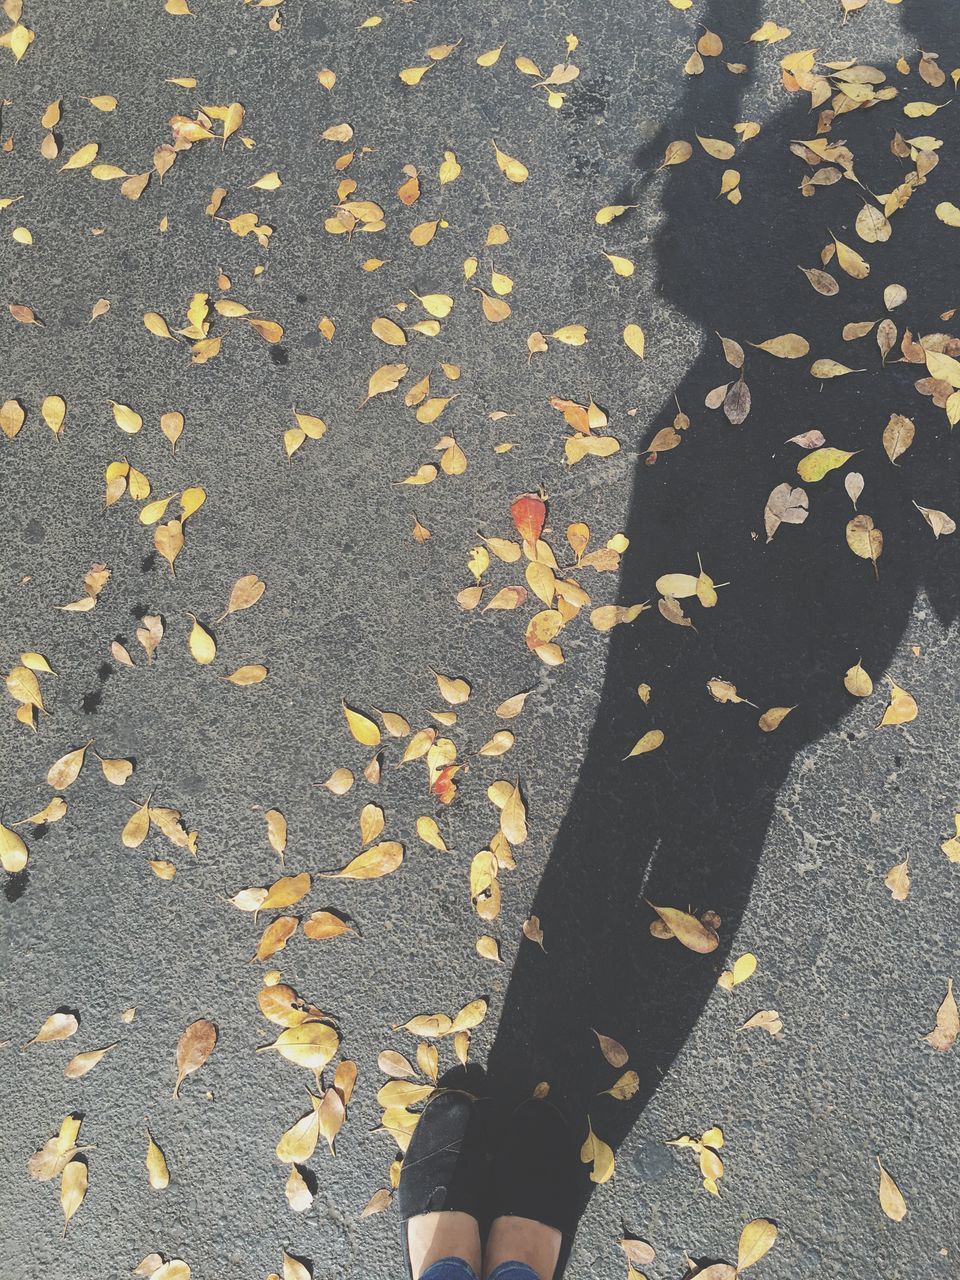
457 1269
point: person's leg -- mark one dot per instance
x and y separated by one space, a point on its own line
449 1269
514 1271
534 1195
530 1248
443 1185
438 1242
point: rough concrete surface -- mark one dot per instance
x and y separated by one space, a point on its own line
787 836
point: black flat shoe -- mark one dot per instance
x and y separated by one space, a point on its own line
536 1172
446 1164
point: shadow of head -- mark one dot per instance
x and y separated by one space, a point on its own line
685 825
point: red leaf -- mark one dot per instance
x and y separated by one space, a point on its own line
529 514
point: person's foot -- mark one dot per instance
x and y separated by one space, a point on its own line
523 1240
432 1236
535 1190
442 1191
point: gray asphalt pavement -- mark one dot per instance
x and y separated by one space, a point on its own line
356 609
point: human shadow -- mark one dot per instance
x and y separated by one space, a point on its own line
685 825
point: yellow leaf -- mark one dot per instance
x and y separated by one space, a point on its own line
901 709
365 730
386 378
202 646
891 1198
851 262
156 324
513 817
116 771
717 147
435 304
73 1187
137 826
490 57
388 331
127 419
513 170
857 682
831 369
168 540
311 1044
756 1239
572 335
596 1153
864 539
380 860
54 410
454 691
634 338
652 739
948 213
413 75
158 1174
774 718
621 266
13 851
944 1034
298 1143
815 465
610 211
943 368
470 1016
788 346
81 157
253 673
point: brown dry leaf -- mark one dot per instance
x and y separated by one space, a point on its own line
612 1050
394 1064
65 771
83 1063
897 881
322 925
891 1198
379 1201
865 540
59 1026
688 930
625 1087
532 931
193 1049
898 436
298 1194
332 1113
944 1034
766 1019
